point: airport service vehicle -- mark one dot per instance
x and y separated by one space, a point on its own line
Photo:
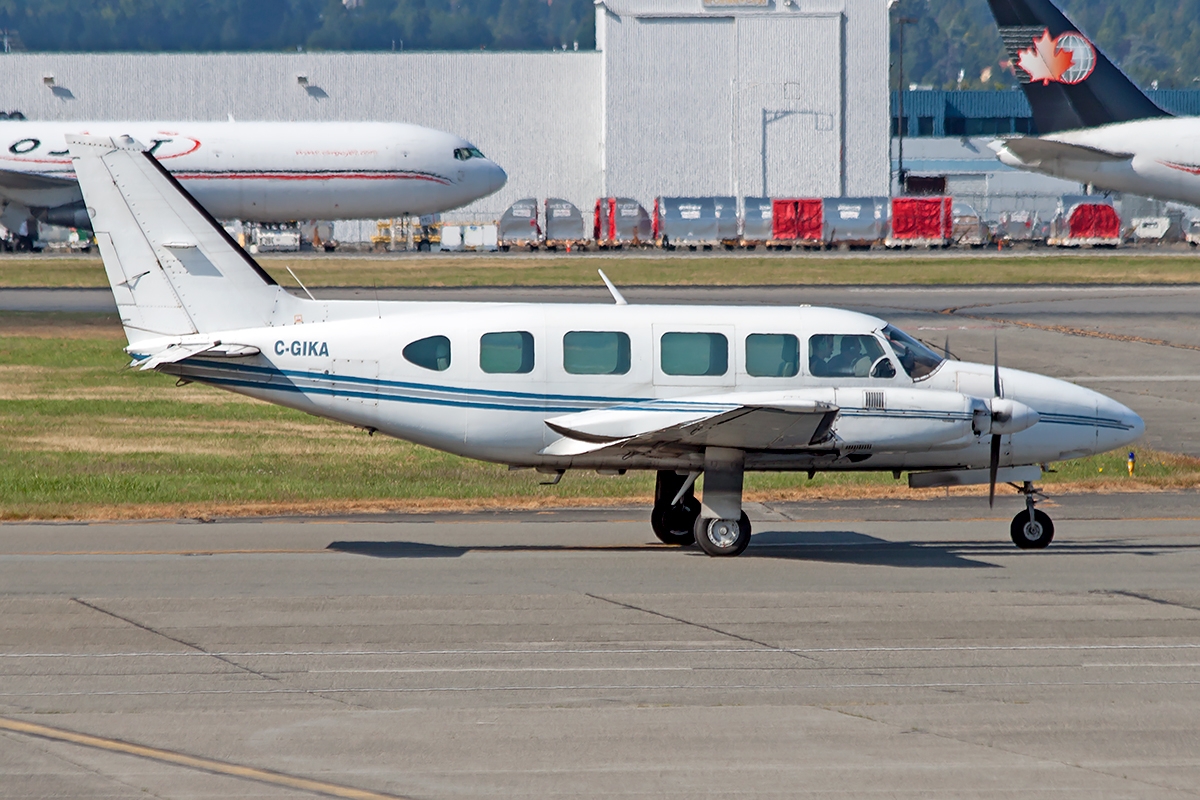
682 390
258 171
1095 126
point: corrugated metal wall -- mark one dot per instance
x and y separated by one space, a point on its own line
782 101
534 113
685 99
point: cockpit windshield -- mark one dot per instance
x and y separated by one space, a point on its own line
917 359
467 153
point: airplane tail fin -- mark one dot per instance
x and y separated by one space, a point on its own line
173 269
1069 83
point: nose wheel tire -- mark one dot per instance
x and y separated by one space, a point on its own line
1034 534
723 537
675 524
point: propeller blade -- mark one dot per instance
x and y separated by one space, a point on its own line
993 469
946 347
996 361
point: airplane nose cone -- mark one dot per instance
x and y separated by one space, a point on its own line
1119 424
497 177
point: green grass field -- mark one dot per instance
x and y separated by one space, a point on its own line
514 269
84 437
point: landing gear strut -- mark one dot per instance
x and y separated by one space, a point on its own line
1031 529
673 522
723 529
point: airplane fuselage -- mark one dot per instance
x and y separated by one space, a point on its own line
356 370
1163 162
268 171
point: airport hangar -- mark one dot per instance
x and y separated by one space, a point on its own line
680 97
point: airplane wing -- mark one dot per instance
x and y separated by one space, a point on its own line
33 189
1031 150
654 426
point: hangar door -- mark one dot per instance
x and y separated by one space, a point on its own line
789 106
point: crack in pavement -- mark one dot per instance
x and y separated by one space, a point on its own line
739 637
1009 750
170 638
1151 599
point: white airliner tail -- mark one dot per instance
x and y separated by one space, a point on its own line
173 269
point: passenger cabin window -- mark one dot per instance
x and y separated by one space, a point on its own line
596 353
916 359
849 356
772 355
694 354
467 153
432 352
509 352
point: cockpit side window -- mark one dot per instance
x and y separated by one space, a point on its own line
843 356
467 153
917 360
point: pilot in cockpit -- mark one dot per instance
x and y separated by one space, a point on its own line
846 361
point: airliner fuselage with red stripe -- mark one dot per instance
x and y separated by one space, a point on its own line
260 171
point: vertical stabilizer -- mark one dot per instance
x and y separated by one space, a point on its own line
1069 82
173 269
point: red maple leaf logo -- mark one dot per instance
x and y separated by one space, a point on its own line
1044 61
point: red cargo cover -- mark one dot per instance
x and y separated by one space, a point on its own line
797 220
1094 221
604 229
922 218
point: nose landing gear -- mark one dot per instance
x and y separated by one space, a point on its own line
1032 529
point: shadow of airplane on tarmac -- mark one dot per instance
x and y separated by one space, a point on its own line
836 547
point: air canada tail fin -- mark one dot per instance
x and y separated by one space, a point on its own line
173 269
1070 84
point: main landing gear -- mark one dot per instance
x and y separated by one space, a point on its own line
719 526
674 520
1032 529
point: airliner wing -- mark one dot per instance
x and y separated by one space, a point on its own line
791 425
32 189
1031 150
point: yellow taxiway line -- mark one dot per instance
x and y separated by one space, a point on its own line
192 762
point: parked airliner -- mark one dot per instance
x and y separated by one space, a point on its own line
682 390
1095 126
258 171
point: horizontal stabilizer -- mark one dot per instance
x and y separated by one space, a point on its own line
178 351
798 424
1032 150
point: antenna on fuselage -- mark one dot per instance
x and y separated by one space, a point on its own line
617 296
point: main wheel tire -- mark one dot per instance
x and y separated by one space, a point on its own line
723 537
675 524
1035 535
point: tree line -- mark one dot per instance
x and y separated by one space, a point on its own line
952 44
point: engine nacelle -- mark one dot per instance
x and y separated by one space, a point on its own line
1010 416
72 215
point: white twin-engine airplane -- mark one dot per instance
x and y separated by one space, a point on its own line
258 171
1095 125
683 390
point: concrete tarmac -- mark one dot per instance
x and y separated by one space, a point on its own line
891 648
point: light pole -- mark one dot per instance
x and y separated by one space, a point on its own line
902 122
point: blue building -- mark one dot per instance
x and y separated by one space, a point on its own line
931 112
